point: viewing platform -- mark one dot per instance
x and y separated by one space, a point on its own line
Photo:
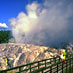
52 65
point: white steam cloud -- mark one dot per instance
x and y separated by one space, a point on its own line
3 25
44 24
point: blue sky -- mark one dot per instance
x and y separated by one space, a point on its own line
11 8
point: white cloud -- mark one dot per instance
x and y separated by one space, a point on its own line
3 25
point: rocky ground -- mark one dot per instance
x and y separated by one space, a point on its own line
19 54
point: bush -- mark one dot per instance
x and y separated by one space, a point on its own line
4 36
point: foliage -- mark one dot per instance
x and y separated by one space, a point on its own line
5 36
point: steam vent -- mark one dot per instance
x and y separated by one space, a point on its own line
19 54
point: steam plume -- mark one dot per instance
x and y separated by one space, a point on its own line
49 23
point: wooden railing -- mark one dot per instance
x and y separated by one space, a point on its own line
41 66
65 66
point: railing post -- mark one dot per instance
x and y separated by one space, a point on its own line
45 63
20 70
38 64
72 62
55 60
50 61
30 67
42 71
70 65
66 65
59 58
57 68
50 69
62 66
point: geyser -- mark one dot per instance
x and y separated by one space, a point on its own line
48 23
